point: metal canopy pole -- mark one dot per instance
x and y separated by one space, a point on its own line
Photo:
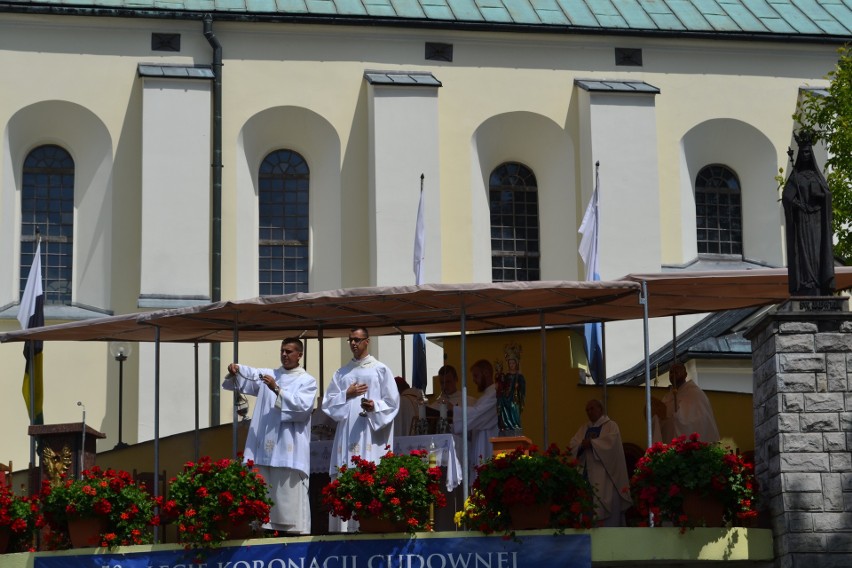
235 416
643 299
321 366
197 441
465 460
543 346
156 423
402 352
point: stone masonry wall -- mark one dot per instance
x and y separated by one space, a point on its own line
803 433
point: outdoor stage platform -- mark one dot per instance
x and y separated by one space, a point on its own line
614 547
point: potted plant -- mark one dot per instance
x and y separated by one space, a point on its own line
399 489
105 507
668 476
19 519
547 486
216 501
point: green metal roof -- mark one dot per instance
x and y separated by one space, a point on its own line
814 19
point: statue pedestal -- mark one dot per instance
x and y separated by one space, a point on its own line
510 444
815 305
62 450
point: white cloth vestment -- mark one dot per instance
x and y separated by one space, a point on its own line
604 466
482 426
364 436
693 414
280 434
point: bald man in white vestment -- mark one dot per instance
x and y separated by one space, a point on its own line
597 446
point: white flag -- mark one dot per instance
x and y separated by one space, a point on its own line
589 254
589 230
32 290
419 242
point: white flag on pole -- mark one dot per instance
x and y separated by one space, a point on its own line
589 254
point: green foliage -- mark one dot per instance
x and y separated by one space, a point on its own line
108 494
667 470
21 515
523 478
830 118
209 498
400 488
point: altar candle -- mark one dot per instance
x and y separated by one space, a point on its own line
443 409
421 411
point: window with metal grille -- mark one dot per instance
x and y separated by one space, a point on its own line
718 211
283 250
47 204
513 199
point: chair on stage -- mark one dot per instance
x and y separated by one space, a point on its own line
146 480
6 474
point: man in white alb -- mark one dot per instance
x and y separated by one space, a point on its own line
598 448
481 417
279 437
363 399
684 410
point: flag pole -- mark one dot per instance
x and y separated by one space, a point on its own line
418 342
589 229
33 293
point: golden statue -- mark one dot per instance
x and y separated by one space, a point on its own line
56 463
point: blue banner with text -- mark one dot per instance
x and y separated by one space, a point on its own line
553 551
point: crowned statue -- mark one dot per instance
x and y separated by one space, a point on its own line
808 216
511 391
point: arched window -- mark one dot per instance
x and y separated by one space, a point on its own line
513 199
47 204
283 201
718 211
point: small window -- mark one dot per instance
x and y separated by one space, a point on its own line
283 240
47 205
513 199
718 211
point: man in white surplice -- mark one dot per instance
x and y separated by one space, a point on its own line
481 417
279 438
685 409
363 399
597 446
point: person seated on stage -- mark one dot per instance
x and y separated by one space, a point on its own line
410 400
598 448
684 410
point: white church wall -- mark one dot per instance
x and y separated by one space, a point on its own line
78 131
403 144
305 132
749 154
176 203
546 149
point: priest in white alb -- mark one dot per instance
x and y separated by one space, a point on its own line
597 446
363 399
279 438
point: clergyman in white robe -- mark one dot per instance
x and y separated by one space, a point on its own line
365 436
279 441
481 426
597 446
690 413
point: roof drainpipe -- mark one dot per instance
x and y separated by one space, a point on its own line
216 245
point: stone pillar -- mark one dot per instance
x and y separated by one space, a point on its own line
803 427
